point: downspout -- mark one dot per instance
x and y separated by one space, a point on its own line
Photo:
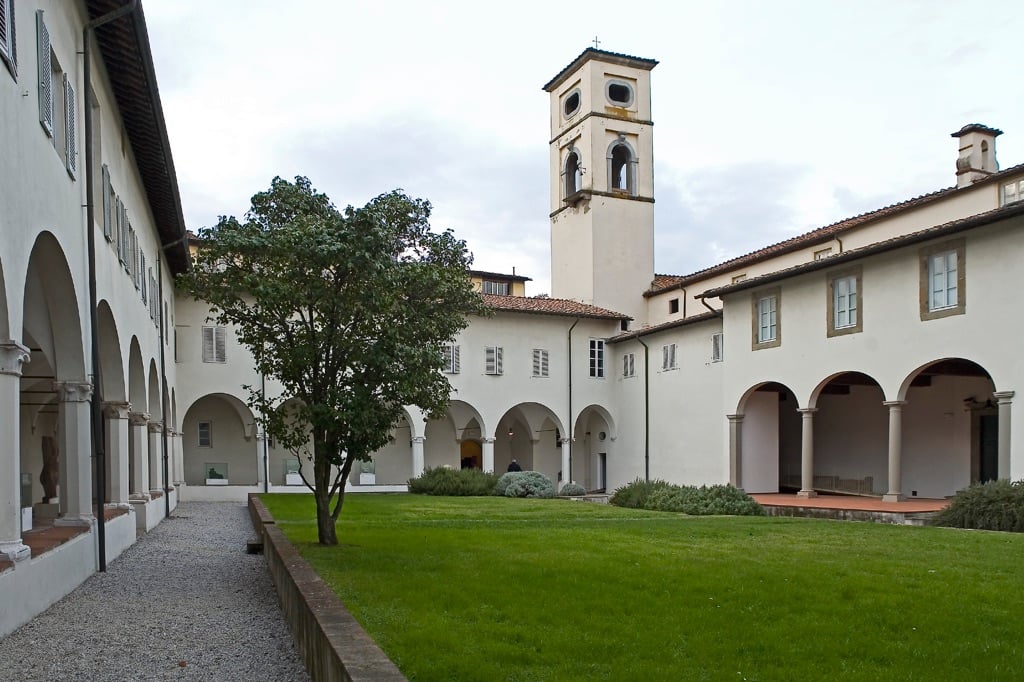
163 382
647 410
716 311
96 402
567 475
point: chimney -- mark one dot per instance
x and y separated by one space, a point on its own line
977 158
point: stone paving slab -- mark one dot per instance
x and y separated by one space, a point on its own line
184 602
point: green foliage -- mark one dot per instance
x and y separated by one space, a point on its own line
525 484
453 482
634 495
995 505
704 501
572 490
346 309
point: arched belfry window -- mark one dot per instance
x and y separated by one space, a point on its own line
984 156
572 174
621 167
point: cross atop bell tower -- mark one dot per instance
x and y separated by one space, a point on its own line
602 181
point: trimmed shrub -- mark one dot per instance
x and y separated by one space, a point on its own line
634 495
524 484
572 490
704 501
453 482
995 505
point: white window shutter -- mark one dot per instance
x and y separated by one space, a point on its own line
220 350
499 351
208 344
625 365
71 127
632 364
107 227
716 348
45 75
536 362
456 363
544 365
6 29
671 355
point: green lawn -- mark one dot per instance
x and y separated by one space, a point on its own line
509 589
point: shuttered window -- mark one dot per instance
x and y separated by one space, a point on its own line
717 348
767 320
45 75
108 227
70 128
540 362
8 37
668 356
450 353
629 365
492 360
213 344
142 280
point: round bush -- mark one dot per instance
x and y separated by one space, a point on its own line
995 505
525 484
572 490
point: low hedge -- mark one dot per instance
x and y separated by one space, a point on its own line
572 490
995 505
658 495
453 482
524 484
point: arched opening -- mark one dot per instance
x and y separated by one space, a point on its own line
621 168
573 174
392 464
528 433
593 451
851 432
950 428
769 440
114 393
219 442
446 438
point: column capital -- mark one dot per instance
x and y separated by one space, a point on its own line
419 439
138 418
894 404
1004 397
156 427
735 417
73 391
12 356
807 412
565 441
489 440
117 410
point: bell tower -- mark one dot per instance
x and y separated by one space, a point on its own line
602 181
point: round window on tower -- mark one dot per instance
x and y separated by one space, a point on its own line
619 93
571 103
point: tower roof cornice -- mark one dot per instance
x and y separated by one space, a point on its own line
602 56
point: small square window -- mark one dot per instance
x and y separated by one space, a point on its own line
673 306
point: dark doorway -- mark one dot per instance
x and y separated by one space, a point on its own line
988 426
602 471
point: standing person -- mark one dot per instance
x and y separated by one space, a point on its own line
514 466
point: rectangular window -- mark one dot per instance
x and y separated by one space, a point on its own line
673 306
213 344
492 360
844 302
597 358
629 365
540 362
1013 192
736 279
8 42
450 356
205 439
823 254
45 75
498 288
143 291
942 271
766 318
943 280
668 357
717 347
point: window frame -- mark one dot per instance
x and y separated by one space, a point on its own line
755 318
673 306
853 273
541 363
45 73
494 285
596 357
9 48
628 365
209 434
669 357
630 167
622 82
452 358
718 347
925 259
216 333
1018 192
494 361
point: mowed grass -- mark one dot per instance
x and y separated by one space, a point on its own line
510 589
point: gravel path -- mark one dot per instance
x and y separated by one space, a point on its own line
184 602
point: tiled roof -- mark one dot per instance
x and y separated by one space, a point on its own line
655 328
549 306
952 227
499 275
124 46
603 55
661 283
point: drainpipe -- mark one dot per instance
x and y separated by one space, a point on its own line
567 475
647 410
163 383
96 403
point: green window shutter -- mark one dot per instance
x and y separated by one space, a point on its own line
45 75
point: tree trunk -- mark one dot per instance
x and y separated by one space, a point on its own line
325 530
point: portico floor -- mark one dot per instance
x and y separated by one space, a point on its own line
851 503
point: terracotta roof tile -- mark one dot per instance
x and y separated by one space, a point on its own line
655 328
549 306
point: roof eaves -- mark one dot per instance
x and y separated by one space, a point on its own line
674 324
602 55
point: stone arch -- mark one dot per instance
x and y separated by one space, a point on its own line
622 163
112 368
219 433
51 310
529 433
593 449
445 437
765 439
153 394
137 395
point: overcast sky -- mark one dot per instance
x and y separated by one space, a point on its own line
771 118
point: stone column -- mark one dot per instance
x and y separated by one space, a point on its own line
895 493
1005 399
156 464
12 356
139 483
74 438
488 454
565 460
735 448
807 453
116 423
179 462
417 455
261 471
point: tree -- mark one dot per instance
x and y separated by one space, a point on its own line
347 310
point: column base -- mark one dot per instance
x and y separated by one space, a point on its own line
807 494
893 497
136 498
84 521
15 551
